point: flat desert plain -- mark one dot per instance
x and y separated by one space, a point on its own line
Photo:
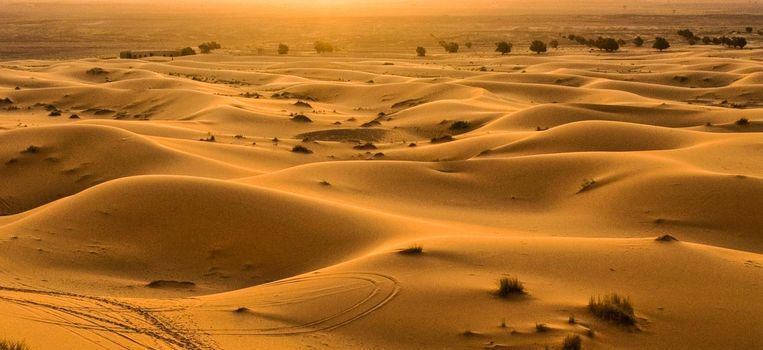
352 201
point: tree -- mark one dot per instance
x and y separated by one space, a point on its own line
283 49
661 43
321 47
209 46
638 41
503 47
187 51
421 51
450 47
607 44
739 42
554 44
538 47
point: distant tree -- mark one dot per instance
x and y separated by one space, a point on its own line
622 42
468 44
450 47
706 40
321 47
739 42
554 44
572 37
686 33
187 51
661 43
748 29
538 47
283 49
209 46
607 44
503 47
421 51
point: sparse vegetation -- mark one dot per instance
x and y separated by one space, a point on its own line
666 238
638 41
412 250
301 118
187 51
554 44
572 342
210 138
209 46
323 47
509 286
460 125
571 320
538 47
661 44
96 71
301 149
365 146
283 49
613 308
587 185
541 327
421 51
742 122
32 149
450 47
12 345
442 139
503 47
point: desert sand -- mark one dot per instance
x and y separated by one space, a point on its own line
172 212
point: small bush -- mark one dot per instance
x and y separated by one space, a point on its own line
421 51
301 118
571 320
541 327
412 250
32 149
614 308
587 185
572 342
441 139
12 345
666 238
366 146
742 122
97 71
508 286
460 125
283 49
301 149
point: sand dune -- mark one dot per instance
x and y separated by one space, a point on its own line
237 202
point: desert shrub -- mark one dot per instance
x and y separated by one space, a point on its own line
738 42
210 138
460 125
301 149
607 44
187 51
96 71
571 320
421 51
666 238
441 139
742 122
614 308
32 149
54 114
283 49
661 43
541 327
572 342
503 47
12 345
468 44
301 118
586 185
450 47
412 250
209 46
74 116
365 146
322 46
508 286
554 44
538 47
748 29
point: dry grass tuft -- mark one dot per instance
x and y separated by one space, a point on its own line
613 308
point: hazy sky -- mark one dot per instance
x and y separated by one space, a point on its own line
428 7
